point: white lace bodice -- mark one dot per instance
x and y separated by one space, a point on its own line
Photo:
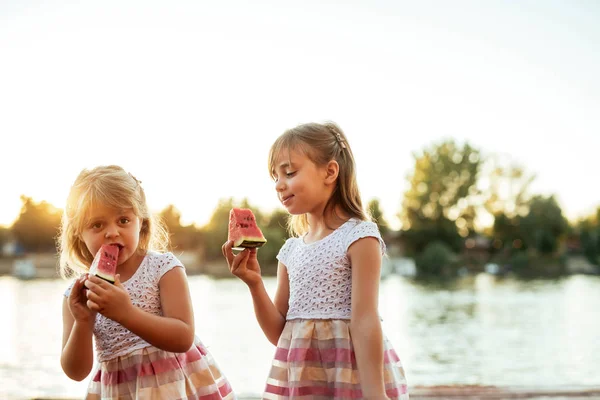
320 274
112 339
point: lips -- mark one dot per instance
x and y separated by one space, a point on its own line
285 200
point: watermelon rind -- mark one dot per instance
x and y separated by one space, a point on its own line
110 279
246 242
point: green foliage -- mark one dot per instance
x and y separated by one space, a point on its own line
182 237
215 232
541 228
38 225
519 262
590 243
4 236
544 224
437 206
508 192
435 259
545 241
374 209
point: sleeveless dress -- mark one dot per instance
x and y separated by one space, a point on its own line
315 358
130 368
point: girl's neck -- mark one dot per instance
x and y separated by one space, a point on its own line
129 267
320 226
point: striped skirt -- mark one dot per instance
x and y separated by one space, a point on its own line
315 360
151 373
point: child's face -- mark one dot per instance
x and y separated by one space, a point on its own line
106 225
300 183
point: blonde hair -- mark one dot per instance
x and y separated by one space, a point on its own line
322 143
113 187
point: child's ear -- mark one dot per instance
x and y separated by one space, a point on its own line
332 171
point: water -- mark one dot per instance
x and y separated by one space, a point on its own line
476 331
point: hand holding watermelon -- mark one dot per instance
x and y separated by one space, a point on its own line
245 236
110 300
244 265
77 302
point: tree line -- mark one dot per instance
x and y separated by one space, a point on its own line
457 202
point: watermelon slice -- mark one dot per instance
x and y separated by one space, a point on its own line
105 263
243 229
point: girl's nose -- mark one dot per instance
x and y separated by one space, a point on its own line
111 231
279 186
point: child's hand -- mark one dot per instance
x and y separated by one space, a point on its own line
77 302
110 300
243 265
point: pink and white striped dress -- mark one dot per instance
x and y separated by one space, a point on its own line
315 358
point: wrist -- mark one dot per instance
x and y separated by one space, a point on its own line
128 312
254 285
85 324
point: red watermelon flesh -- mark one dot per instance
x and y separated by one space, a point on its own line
243 230
105 262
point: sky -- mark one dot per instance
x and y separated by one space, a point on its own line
189 95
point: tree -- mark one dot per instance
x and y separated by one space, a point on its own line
4 236
182 237
374 209
215 231
588 230
544 225
507 200
507 187
275 231
437 204
37 226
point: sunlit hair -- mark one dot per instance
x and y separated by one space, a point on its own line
322 143
109 186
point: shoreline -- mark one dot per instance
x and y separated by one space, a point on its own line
469 392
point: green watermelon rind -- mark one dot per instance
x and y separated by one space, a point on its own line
246 242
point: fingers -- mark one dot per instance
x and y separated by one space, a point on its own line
76 289
239 262
93 306
94 297
227 252
96 284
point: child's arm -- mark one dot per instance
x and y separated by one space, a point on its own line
77 356
270 315
365 326
173 331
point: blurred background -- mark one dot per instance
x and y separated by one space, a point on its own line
475 127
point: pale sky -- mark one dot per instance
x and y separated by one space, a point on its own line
189 95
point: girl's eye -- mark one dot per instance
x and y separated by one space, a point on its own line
124 220
290 174
96 225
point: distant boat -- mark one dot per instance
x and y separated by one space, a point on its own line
406 266
493 269
24 269
403 266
